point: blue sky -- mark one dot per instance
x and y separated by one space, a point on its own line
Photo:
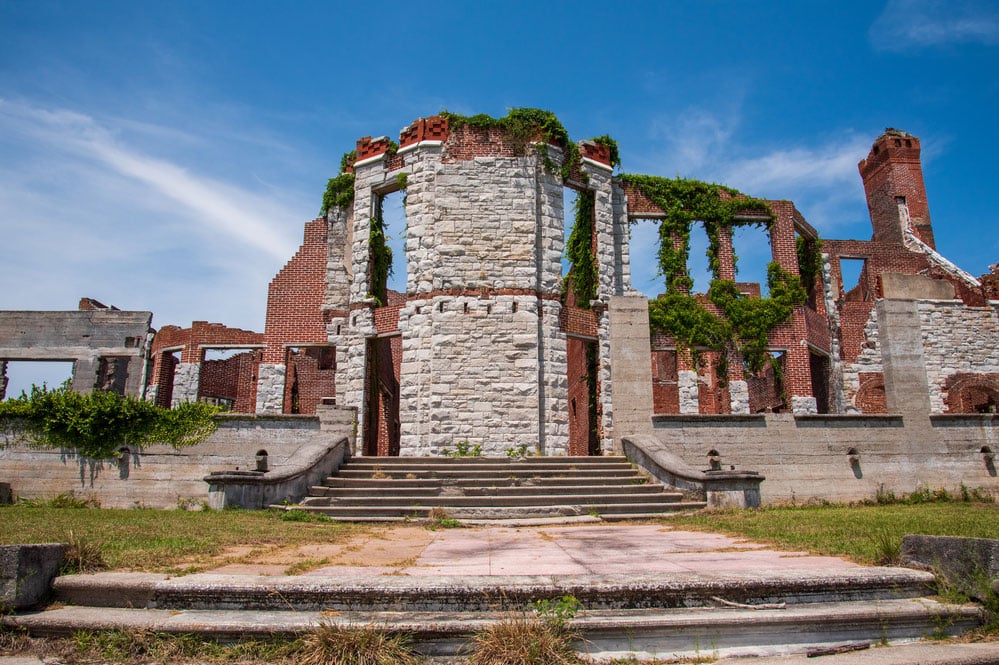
165 155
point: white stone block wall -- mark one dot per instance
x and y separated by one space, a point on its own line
804 405
738 396
606 384
471 371
956 339
186 381
687 380
270 388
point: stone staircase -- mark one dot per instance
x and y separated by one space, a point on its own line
665 615
484 488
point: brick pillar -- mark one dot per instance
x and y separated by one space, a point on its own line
726 254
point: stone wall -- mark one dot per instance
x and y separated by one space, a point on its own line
956 340
808 457
161 476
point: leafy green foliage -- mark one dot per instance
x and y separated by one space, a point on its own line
615 155
744 325
340 190
380 255
685 201
98 424
809 260
464 449
579 250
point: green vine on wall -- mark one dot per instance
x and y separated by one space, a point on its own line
579 251
99 424
380 255
745 323
684 201
340 190
809 260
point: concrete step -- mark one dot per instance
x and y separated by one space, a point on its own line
429 490
498 501
483 593
603 460
664 616
506 481
491 510
698 632
410 473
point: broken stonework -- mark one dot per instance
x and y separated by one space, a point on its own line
185 383
270 388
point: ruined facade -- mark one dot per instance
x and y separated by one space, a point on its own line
109 348
487 347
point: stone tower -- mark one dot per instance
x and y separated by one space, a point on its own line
476 350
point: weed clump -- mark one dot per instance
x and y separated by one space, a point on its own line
544 638
333 644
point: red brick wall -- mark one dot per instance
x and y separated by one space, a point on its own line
384 369
310 376
893 169
583 438
665 384
972 393
232 378
295 297
870 396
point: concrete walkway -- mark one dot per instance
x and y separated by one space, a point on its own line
557 549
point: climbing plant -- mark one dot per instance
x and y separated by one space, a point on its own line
809 260
340 190
525 126
743 324
380 255
99 424
579 251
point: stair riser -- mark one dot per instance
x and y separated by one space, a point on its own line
458 599
506 501
524 490
379 484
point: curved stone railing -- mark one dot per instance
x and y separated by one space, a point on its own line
259 489
721 489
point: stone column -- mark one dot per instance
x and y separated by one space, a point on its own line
631 366
906 389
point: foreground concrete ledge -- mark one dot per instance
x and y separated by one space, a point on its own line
26 573
971 564
427 593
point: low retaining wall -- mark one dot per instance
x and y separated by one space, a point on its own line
163 477
840 458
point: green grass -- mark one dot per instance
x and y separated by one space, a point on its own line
864 534
161 540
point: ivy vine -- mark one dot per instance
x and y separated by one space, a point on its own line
579 251
684 201
524 126
744 327
809 260
340 190
379 255
99 424
744 324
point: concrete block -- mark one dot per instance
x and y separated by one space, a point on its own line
26 572
970 564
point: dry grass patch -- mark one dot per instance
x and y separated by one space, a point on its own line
333 644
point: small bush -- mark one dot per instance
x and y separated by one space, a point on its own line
887 547
332 644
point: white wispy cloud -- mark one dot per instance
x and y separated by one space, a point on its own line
241 215
913 24
129 212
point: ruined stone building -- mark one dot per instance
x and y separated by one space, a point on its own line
488 345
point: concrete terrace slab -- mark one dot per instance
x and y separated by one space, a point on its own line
545 550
